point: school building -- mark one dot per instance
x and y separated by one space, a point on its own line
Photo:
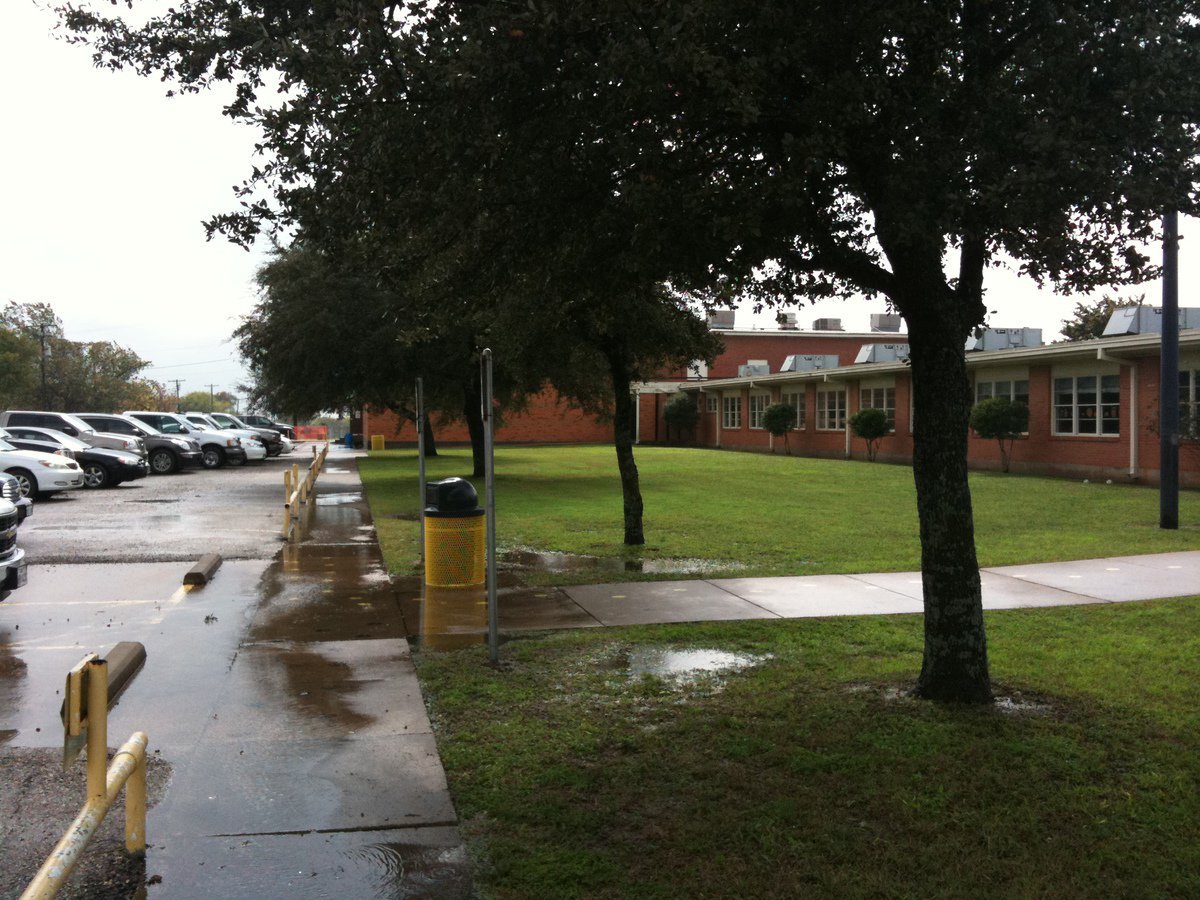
1093 405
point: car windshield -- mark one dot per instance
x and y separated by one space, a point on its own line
69 442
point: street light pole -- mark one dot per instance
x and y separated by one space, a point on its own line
1168 391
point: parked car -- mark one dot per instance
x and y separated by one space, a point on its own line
10 490
39 473
101 467
75 427
272 438
265 422
217 448
166 453
249 436
12 558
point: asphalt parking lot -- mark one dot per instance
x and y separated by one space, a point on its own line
293 751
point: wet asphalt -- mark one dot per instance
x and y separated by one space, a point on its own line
282 695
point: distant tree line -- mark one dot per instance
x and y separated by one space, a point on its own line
41 368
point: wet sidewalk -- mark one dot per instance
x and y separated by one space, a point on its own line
449 618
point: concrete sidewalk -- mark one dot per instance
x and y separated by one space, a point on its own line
1108 580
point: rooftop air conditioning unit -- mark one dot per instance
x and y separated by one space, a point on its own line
721 320
808 362
754 367
886 321
880 353
1146 320
786 321
828 325
1004 339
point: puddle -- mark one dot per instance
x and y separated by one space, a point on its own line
683 666
525 559
172 500
329 470
338 499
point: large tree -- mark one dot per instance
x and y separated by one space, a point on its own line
785 150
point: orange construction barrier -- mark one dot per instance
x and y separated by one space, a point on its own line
312 432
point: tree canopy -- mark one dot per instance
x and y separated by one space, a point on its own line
542 151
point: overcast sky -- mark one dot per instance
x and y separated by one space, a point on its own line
106 183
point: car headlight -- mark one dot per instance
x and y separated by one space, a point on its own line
56 464
233 442
180 442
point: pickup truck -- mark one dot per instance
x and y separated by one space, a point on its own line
12 557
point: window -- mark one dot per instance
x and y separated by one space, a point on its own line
1087 404
1189 403
758 405
733 412
796 401
712 403
831 410
880 398
1015 390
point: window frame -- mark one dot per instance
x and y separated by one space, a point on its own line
840 410
889 401
1077 408
800 405
731 411
759 401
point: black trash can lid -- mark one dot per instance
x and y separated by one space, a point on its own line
451 498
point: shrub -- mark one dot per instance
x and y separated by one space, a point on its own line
1000 419
682 415
870 425
779 419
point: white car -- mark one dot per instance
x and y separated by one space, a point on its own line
252 441
39 473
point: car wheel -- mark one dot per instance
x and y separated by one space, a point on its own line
25 482
213 457
163 462
236 462
95 476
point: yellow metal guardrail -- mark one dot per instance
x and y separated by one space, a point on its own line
296 492
92 686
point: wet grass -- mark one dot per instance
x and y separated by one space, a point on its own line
810 775
776 515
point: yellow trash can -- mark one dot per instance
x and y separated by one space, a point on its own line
377 442
454 534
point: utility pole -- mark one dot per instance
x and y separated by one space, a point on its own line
212 400
44 406
178 382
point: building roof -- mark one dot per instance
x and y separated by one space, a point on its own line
1125 347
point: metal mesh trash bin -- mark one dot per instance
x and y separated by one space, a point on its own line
454 534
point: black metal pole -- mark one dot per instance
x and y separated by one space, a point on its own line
1168 392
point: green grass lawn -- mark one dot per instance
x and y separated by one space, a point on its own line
774 515
810 772
806 775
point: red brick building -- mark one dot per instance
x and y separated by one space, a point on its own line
1093 406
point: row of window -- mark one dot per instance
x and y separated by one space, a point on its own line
1083 404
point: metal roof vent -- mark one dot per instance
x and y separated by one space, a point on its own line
880 353
828 325
1004 339
808 362
886 321
721 319
754 367
786 321
1146 320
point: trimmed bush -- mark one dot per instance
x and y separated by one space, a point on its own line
779 419
870 425
1002 420
682 415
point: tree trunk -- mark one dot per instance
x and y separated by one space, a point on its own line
473 413
955 666
624 419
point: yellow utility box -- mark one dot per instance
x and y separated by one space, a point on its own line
454 534
377 442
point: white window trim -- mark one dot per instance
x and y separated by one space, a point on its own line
1075 374
845 408
761 396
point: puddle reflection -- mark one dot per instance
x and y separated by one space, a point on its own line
686 665
452 618
523 558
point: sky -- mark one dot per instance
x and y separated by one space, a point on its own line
105 184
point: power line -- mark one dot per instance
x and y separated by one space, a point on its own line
203 362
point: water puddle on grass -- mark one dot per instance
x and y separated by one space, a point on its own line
685 666
526 559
